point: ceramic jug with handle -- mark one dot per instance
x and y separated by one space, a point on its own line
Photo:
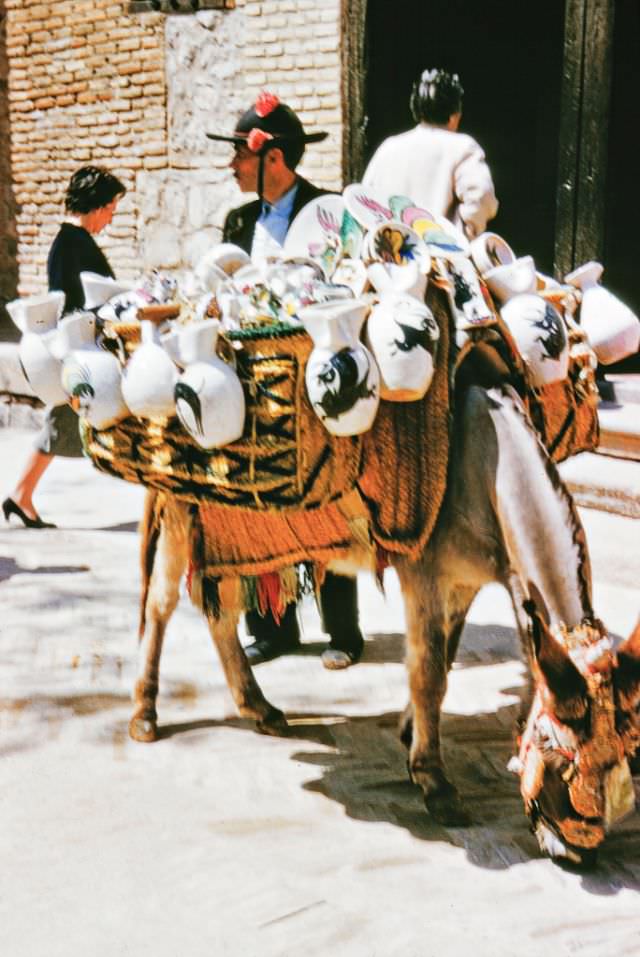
540 333
403 334
208 395
90 376
342 378
37 316
149 377
612 329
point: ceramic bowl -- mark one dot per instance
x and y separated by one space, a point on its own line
512 279
490 250
226 256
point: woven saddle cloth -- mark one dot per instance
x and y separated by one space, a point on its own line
288 491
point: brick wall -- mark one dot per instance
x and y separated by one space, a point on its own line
86 84
89 82
8 264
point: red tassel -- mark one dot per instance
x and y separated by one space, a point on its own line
269 594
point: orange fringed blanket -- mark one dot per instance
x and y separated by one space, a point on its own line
394 505
406 453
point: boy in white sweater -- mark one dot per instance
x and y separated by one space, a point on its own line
440 169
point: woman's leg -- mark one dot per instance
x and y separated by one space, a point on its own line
35 467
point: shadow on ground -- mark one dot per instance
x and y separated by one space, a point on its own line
9 567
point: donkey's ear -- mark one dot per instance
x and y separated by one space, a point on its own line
627 673
567 687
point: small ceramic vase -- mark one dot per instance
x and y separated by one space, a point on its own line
612 329
91 377
540 334
403 334
36 316
512 279
209 399
342 378
149 377
489 250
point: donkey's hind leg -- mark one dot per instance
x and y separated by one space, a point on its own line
246 692
433 632
164 550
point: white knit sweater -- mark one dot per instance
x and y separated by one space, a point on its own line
441 171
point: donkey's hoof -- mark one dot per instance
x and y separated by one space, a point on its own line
447 809
273 722
143 730
405 729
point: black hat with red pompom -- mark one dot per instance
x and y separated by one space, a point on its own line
269 123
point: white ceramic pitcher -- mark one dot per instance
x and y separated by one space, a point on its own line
612 329
342 378
37 317
208 395
91 377
540 334
402 334
149 377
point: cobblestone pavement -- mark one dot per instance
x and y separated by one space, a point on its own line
217 841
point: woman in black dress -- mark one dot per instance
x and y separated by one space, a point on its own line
90 202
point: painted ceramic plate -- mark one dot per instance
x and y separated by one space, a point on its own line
366 206
315 232
443 239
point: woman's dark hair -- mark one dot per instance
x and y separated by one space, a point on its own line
91 187
436 96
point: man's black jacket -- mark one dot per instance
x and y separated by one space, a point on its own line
240 223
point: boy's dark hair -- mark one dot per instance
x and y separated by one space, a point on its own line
436 96
90 188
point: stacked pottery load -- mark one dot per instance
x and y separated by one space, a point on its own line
353 273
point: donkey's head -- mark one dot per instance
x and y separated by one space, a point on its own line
583 726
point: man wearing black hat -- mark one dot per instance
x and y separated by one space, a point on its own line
269 142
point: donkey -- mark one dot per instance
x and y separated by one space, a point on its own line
506 517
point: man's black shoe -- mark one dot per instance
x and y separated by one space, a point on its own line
266 649
342 654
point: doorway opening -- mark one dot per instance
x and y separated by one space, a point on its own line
510 64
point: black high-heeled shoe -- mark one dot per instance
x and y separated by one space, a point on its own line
9 507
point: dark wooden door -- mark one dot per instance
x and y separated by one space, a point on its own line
621 256
509 59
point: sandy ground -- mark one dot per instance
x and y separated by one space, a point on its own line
217 841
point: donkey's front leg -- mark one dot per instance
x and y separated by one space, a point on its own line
164 540
428 662
246 692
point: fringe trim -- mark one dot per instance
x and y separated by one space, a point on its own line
272 591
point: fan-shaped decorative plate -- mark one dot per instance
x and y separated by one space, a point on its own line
315 232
